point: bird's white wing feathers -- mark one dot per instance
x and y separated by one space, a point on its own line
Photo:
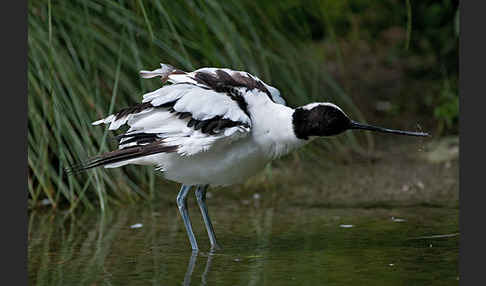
202 103
160 116
196 111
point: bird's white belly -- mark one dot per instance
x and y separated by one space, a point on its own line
222 165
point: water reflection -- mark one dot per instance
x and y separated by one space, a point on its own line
192 263
261 245
261 222
190 268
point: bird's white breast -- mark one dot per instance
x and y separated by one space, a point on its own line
222 165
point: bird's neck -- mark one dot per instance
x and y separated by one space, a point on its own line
276 130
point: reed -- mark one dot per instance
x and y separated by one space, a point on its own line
83 63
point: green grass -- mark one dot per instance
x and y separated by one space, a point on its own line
83 63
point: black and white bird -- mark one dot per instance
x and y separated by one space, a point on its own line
216 127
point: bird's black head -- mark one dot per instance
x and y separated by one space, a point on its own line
319 119
327 119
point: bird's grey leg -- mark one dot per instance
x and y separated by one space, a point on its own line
182 204
201 201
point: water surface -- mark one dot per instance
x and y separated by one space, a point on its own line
284 244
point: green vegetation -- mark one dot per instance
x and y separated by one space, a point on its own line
84 58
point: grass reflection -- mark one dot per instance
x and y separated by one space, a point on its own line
262 245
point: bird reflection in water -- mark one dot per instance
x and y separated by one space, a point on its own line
192 264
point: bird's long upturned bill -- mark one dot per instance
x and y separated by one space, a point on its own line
357 125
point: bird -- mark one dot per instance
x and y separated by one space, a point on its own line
215 127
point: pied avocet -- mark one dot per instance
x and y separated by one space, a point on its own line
216 127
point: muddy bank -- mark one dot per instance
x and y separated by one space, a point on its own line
397 173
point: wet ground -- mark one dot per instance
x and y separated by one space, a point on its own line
388 220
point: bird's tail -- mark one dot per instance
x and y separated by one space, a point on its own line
120 157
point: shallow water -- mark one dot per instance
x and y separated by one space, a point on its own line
262 245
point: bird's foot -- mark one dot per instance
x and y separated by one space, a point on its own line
216 246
